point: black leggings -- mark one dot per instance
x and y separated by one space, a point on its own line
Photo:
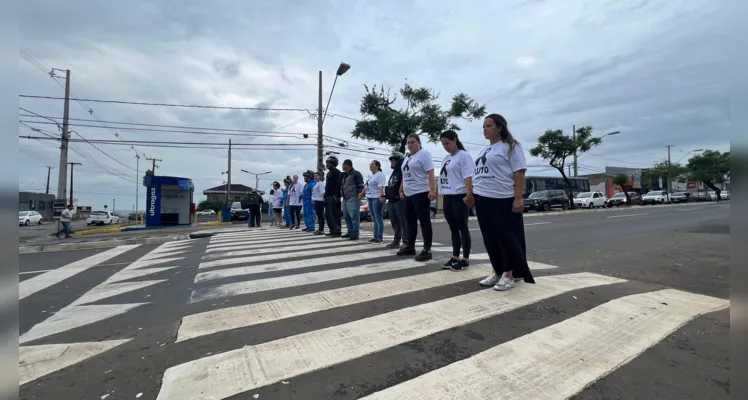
504 236
456 213
417 212
295 215
319 210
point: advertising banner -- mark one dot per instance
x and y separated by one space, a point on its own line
153 206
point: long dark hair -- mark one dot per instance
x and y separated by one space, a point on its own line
505 134
452 135
378 164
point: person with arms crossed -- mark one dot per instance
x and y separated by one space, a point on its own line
498 184
332 196
396 203
418 190
295 194
307 201
456 185
374 192
318 200
352 183
286 207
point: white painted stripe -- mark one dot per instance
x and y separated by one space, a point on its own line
236 371
563 358
626 215
279 251
688 209
34 272
40 282
135 273
286 265
263 232
278 256
273 242
142 262
157 255
242 316
37 361
290 242
274 235
179 243
537 223
73 317
101 292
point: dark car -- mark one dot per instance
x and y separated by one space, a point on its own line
238 213
619 199
545 200
682 197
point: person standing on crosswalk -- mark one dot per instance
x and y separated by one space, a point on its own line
286 207
418 189
351 186
307 201
456 185
332 196
374 192
318 200
499 182
277 205
295 193
396 203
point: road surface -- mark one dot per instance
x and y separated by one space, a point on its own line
631 304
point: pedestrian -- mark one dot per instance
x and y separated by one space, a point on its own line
332 196
66 219
498 185
352 183
456 187
295 194
394 201
418 189
277 205
318 200
307 201
254 204
271 201
374 192
286 207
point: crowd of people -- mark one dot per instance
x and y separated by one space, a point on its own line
493 183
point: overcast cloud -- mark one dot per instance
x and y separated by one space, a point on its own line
653 69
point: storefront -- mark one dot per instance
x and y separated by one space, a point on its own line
169 201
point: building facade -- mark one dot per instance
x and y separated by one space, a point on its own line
39 202
238 193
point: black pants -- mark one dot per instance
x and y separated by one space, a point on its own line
504 236
398 221
319 211
332 214
295 215
417 212
255 214
456 213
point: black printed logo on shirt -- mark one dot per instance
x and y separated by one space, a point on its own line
444 168
406 167
482 160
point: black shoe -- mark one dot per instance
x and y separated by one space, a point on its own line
449 263
373 240
319 233
460 265
407 251
354 238
393 245
424 256
346 236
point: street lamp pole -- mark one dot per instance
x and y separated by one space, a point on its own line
257 177
342 69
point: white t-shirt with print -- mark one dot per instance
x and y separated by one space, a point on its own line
318 191
376 181
455 169
495 168
278 201
294 194
415 172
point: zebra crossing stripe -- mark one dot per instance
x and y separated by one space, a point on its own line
572 354
275 256
285 242
223 238
266 242
286 265
236 371
37 361
252 314
278 251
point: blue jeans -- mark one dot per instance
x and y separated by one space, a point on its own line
351 207
377 215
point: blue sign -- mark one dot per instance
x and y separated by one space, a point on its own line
153 206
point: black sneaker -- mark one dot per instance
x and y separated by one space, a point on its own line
424 256
460 266
354 238
407 251
393 245
373 240
346 236
449 263
319 233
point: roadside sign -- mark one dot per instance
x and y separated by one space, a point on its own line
692 185
57 207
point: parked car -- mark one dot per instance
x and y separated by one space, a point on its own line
102 218
682 197
702 196
656 197
619 199
590 200
206 212
545 200
712 195
238 213
27 218
363 210
724 195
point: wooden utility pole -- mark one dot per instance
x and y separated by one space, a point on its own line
228 185
62 178
154 160
667 176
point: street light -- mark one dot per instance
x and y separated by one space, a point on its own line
611 133
342 69
257 177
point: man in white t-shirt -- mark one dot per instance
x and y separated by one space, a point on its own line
66 219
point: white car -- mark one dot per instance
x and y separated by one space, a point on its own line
27 218
656 197
102 218
590 200
206 212
724 195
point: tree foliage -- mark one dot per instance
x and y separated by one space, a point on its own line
710 167
209 205
386 124
555 147
621 180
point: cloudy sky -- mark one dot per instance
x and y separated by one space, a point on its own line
653 69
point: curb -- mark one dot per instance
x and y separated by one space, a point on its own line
101 230
44 248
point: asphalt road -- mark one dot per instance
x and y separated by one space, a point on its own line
629 304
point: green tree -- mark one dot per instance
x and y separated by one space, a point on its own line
389 125
209 205
710 167
621 180
665 170
555 147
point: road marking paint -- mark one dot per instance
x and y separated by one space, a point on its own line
236 371
269 235
37 361
247 315
573 353
537 223
136 273
286 242
286 265
35 272
274 239
689 209
264 243
101 292
73 317
278 250
627 215
142 262
40 282
277 256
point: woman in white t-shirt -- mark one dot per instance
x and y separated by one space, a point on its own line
374 192
277 205
271 201
498 184
456 187
318 199
418 189
295 193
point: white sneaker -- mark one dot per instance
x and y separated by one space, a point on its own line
490 280
505 283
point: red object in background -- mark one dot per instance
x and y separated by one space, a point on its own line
692 185
192 208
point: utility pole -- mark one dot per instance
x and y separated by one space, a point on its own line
72 167
137 183
320 165
62 178
154 160
667 176
49 170
114 204
228 185
574 138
